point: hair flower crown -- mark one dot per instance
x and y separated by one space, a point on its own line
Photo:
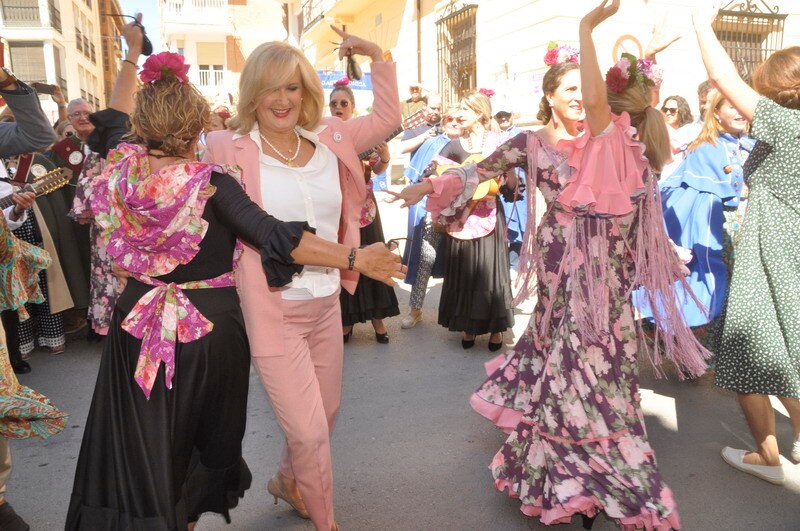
164 66
342 82
630 70
486 92
563 53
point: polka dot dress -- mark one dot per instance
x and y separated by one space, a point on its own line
759 348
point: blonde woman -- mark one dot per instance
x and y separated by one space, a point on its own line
704 202
300 166
476 293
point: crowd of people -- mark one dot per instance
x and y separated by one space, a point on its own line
194 242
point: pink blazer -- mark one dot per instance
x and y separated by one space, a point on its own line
261 305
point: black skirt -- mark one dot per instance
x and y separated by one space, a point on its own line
158 464
476 292
372 299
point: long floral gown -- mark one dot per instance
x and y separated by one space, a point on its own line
568 392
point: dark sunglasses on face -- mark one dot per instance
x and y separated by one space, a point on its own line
669 110
343 104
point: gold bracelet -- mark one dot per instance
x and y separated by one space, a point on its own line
131 62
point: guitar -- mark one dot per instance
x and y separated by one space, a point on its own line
413 120
485 190
50 181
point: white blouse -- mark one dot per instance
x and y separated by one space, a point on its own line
312 194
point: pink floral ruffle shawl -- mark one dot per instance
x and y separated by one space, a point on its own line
152 223
610 178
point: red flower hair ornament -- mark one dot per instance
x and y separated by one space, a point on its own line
163 66
342 82
486 92
560 54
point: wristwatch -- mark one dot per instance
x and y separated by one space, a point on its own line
10 80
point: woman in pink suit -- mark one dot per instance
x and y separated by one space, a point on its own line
299 166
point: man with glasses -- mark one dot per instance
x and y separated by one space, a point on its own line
413 138
71 151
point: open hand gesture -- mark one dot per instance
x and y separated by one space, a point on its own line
660 40
593 18
411 194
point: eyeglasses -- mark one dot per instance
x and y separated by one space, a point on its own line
343 104
669 110
79 114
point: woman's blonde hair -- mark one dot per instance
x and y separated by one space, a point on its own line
268 68
481 104
169 116
709 133
778 78
649 122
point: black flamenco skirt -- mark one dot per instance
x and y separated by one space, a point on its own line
372 299
476 292
158 464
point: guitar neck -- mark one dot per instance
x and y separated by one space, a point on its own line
368 153
6 201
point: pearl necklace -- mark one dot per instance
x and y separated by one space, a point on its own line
290 161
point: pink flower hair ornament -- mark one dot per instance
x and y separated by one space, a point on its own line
164 65
342 82
560 54
630 70
486 92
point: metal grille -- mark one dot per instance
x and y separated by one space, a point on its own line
456 52
749 31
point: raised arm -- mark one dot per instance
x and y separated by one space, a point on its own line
285 245
721 70
593 87
371 129
125 87
32 129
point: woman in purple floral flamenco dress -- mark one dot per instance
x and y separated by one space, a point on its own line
163 440
568 392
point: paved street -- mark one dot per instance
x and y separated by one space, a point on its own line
409 453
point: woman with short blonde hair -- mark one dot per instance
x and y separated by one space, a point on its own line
300 167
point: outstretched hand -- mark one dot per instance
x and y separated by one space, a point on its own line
378 262
705 12
593 18
353 45
411 194
660 40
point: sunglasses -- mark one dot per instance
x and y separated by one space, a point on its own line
343 104
669 110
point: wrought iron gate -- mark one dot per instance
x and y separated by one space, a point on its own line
749 30
456 52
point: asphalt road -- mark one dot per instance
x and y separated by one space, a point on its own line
409 453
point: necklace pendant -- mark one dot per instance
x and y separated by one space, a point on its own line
291 164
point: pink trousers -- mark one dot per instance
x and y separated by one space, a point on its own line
304 385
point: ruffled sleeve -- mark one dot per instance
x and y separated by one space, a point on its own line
608 170
274 239
452 191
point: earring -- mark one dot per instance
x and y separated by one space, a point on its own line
550 103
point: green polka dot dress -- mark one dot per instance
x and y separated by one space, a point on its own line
759 348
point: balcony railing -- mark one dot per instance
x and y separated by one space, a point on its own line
55 15
314 11
21 13
197 11
211 78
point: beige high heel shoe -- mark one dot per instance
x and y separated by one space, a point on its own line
277 486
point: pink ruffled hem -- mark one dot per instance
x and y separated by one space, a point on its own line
589 505
505 418
608 170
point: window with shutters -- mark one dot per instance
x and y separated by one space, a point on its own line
27 61
456 38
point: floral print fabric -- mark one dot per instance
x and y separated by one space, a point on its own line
104 286
570 399
151 223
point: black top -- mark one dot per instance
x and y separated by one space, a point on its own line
454 151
